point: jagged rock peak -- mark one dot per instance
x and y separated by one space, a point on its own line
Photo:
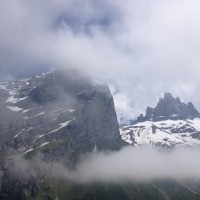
168 96
170 107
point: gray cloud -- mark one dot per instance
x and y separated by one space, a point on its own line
142 48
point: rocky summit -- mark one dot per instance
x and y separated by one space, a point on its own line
169 107
171 123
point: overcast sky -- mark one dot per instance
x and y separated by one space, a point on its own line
141 47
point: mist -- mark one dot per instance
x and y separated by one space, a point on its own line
129 164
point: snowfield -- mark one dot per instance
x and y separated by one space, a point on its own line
167 133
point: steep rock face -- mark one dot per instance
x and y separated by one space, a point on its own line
59 114
169 108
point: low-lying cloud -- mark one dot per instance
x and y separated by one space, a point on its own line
129 164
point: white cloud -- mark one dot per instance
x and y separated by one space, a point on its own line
129 164
143 48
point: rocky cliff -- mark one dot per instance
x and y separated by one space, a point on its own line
169 107
59 114
60 109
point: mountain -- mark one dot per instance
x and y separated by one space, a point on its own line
61 115
169 108
61 110
170 124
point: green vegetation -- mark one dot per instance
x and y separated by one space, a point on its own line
64 190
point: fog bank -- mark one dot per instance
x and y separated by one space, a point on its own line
129 164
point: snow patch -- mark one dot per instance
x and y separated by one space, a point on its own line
63 111
39 114
43 144
25 111
17 134
14 100
3 87
40 136
27 151
62 125
13 108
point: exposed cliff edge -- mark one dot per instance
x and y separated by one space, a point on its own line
59 114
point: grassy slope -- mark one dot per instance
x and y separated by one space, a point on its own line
116 191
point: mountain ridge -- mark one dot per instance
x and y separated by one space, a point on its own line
169 107
64 116
170 124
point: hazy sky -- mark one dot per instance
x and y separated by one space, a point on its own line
141 47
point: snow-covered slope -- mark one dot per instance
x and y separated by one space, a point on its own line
170 124
166 133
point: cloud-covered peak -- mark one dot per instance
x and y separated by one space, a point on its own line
137 46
